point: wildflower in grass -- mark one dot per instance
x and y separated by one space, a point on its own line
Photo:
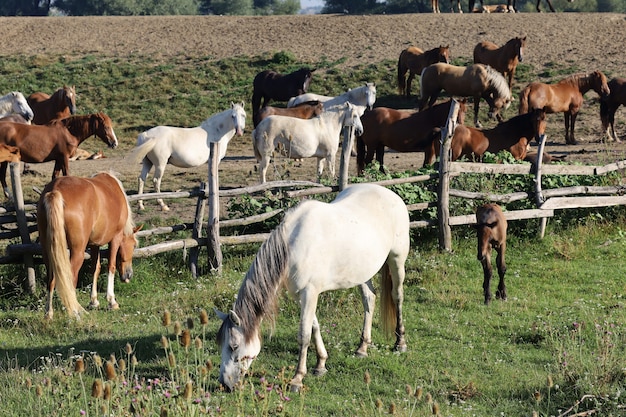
418 393
550 382
103 409
96 388
171 360
39 390
79 366
29 383
109 371
436 408
166 319
197 343
82 412
209 365
188 390
107 391
122 365
204 317
537 396
367 378
163 411
408 390
535 414
128 349
392 409
429 398
133 361
189 323
97 360
379 404
185 339
165 342
177 328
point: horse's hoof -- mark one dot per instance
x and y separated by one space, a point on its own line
293 387
94 305
115 306
165 208
361 353
319 372
401 348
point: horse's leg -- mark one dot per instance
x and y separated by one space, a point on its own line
487 273
308 304
549 5
408 83
368 296
146 166
501 292
3 179
263 164
396 269
320 168
322 355
49 279
95 271
476 107
471 5
612 134
573 140
159 170
569 132
330 161
114 247
380 155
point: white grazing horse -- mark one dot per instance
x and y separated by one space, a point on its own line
305 138
363 96
15 103
185 147
321 247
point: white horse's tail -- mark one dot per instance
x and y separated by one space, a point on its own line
257 154
139 153
58 257
388 308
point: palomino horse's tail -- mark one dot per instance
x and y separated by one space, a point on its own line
523 101
139 153
388 308
257 154
402 69
58 257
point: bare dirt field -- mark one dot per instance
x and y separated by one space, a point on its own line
584 41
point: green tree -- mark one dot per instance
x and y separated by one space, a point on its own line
353 6
127 7
229 7
24 7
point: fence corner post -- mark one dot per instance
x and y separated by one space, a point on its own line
197 229
539 199
443 189
213 226
22 224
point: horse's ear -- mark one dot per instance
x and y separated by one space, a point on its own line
220 315
243 105
234 317
136 228
232 105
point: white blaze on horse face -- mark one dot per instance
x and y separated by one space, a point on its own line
237 356
370 95
239 118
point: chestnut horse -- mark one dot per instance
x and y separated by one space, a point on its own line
503 59
82 213
55 142
270 85
566 97
61 104
512 135
402 131
491 228
609 106
414 60
304 110
476 80
9 153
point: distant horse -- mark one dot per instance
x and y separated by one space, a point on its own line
15 103
55 142
609 106
61 104
185 147
363 97
82 213
305 110
435 5
538 3
566 97
321 247
402 131
491 228
270 85
503 59
513 135
302 138
475 81
414 60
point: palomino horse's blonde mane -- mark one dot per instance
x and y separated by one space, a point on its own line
129 226
498 82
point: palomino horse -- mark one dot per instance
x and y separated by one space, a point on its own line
414 60
609 106
363 97
321 247
270 85
185 147
491 228
15 103
566 97
302 111
476 81
513 135
305 138
503 59
61 104
55 142
402 131
82 213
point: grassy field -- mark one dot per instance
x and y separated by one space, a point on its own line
555 348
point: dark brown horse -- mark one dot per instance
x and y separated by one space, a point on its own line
270 85
304 110
477 81
513 135
61 104
55 142
80 213
610 104
414 60
402 131
491 228
566 97
503 59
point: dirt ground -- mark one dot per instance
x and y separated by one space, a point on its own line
584 41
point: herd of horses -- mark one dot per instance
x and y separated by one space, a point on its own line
509 7
319 246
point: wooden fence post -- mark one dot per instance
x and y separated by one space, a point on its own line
197 229
346 150
539 200
443 188
213 226
22 224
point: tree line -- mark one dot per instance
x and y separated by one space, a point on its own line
266 7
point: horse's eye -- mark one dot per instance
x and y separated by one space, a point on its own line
234 347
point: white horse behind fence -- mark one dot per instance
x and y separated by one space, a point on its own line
185 147
15 103
305 138
363 97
